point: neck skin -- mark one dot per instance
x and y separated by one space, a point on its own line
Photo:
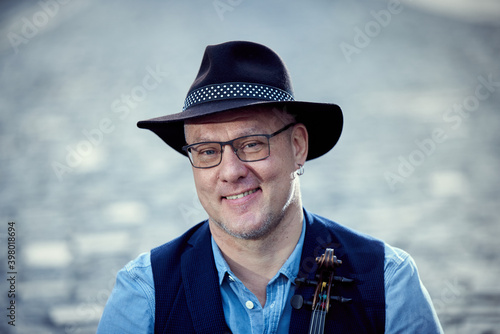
256 262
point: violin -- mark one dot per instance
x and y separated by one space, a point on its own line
320 303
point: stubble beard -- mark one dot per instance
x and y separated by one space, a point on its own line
271 222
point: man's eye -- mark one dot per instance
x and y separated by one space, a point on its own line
252 145
208 152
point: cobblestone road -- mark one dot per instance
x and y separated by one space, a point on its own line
417 164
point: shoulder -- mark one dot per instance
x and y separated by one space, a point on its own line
169 259
141 268
398 266
362 255
322 227
179 244
395 257
134 287
396 261
140 263
138 275
408 304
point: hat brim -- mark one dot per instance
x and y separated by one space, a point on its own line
324 122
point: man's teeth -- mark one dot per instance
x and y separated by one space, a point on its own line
242 195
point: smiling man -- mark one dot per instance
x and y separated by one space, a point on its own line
241 270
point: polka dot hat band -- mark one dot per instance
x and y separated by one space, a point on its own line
236 90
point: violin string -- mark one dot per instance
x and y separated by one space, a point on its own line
312 328
322 326
313 322
318 320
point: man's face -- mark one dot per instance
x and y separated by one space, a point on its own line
248 200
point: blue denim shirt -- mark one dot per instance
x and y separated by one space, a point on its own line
131 305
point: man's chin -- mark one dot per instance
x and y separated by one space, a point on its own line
245 230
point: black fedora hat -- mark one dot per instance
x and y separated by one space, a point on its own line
235 75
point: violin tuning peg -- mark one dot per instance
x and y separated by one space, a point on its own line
299 281
343 279
297 302
340 299
305 281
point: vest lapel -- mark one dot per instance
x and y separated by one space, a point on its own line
202 285
299 322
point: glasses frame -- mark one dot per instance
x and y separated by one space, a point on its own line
186 148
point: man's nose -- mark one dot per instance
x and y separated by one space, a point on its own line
231 167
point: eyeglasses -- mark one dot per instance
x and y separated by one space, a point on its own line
247 149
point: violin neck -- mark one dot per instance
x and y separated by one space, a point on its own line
317 325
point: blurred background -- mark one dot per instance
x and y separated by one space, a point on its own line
417 165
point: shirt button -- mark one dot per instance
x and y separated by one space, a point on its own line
231 279
249 305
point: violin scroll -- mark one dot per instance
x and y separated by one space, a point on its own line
327 261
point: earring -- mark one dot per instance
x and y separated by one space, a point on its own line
301 170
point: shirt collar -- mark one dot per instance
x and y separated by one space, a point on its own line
220 262
290 268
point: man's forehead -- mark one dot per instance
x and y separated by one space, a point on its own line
239 115
249 121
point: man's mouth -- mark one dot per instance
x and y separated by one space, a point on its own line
246 193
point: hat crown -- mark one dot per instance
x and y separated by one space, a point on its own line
244 62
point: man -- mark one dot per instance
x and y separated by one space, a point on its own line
239 271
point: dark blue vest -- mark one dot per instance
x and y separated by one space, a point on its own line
187 291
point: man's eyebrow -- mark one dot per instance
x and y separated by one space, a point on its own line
246 132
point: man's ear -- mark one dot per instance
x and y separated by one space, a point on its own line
300 143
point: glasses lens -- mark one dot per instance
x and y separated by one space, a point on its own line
252 148
205 155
